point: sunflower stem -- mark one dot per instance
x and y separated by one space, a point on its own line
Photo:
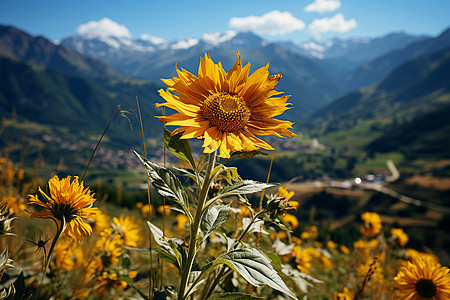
195 226
59 231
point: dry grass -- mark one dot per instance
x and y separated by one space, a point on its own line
431 182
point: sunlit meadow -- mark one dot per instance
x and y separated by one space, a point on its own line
208 233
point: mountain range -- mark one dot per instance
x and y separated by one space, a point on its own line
314 73
337 85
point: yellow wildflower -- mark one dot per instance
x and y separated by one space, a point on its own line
127 230
399 235
345 295
372 224
69 203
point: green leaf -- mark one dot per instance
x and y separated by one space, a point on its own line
241 187
178 146
188 173
167 184
169 257
4 258
213 218
248 154
169 247
232 296
245 187
251 264
301 280
230 174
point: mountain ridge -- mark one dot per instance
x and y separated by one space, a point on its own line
19 45
378 68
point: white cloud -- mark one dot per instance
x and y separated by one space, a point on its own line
185 44
271 23
104 27
216 38
323 6
153 39
334 24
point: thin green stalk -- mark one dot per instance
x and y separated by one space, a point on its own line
194 227
267 181
98 142
59 231
151 279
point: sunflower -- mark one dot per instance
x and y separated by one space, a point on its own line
372 224
423 279
227 110
68 205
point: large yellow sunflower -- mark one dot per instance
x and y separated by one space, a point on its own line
69 204
423 279
227 110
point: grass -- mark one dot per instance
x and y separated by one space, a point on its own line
378 162
355 137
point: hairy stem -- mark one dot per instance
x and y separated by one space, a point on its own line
194 227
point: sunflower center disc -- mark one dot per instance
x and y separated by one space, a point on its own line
227 112
426 288
64 211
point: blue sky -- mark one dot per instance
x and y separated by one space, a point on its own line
299 20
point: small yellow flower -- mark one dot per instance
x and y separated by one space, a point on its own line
423 279
372 224
305 235
331 245
108 248
127 230
69 203
310 233
344 249
365 246
245 211
14 204
302 257
98 222
182 222
68 255
225 109
345 295
164 209
283 192
147 210
282 235
292 220
401 237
